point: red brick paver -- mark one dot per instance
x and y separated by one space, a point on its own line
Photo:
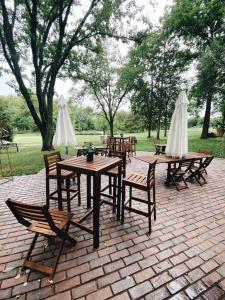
184 258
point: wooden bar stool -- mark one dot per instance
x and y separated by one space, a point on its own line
51 160
49 223
144 183
112 186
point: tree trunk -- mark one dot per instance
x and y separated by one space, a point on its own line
205 129
158 127
47 138
149 132
111 127
165 127
165 130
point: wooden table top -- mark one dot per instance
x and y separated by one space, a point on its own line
162 158
99 163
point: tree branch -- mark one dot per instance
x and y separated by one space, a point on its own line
14 58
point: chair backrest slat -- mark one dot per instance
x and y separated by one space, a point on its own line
151 173
81 152
101 151
207 161
120 154
156 141
51 160
25 212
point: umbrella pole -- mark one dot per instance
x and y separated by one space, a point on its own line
66 150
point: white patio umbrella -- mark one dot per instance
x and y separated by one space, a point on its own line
177 143
64 134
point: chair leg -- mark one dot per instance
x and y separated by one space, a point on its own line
114 193
149 212
123 201
59 253
174 182
130 196
47 192
184 181
31 248
154 203
110 185
68 194
78 188
203 178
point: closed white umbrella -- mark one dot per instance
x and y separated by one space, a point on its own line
64 134
177 144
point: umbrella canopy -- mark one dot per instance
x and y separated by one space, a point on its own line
177 144
64 134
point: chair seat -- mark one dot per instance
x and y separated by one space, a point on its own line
114 171
137 180
60 218
178 171
64 173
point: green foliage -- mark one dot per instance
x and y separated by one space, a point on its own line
38 37
197 21
201 25
155 66
5 118
101 73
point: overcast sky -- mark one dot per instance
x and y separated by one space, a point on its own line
153 14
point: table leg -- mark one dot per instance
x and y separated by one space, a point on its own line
88 191
119 190
96 208
59 188
167 182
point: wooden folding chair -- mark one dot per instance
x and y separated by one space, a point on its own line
159 149
198 168
144 183
49 223
208 152
177 172
133 141
51 160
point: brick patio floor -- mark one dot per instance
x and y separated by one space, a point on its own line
184 258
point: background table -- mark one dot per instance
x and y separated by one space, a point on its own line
162 158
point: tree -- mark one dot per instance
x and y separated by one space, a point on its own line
37 38
5 118
101 74
159 63
200 24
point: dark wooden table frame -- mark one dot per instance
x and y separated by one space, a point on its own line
92 169
162 158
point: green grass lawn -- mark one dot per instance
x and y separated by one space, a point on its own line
29 158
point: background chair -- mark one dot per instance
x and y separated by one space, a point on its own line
144 183
49 223
177 172
51 160
207 152
133 141
159 148
198 168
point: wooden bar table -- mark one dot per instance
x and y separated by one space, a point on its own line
94 168
162 158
